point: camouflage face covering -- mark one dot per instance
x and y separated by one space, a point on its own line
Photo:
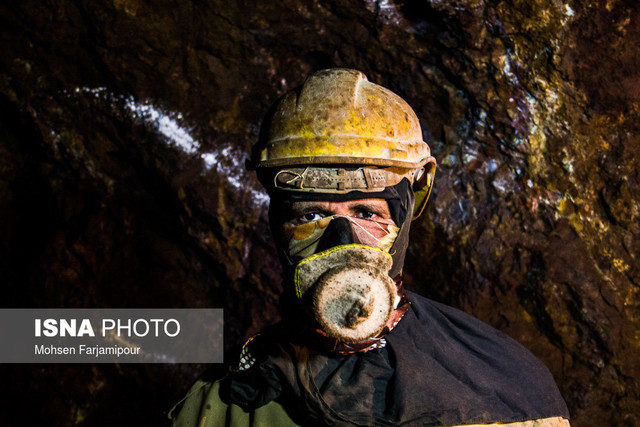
303 239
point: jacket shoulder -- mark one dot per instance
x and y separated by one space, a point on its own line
203 407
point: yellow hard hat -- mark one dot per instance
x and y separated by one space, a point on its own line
338 117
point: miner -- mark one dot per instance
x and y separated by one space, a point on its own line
347 170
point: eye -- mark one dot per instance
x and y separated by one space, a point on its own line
365 214
310 217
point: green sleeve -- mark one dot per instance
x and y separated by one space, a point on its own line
202 407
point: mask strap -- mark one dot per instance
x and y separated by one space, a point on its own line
353 221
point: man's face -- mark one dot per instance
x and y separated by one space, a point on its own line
338 261
303 212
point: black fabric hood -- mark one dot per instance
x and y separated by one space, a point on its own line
440 367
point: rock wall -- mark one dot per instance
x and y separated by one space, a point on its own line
123 134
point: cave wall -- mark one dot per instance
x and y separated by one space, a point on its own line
125 126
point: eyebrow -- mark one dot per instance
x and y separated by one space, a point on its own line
303 207
370 206
306 207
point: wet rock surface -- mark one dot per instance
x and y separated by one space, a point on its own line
125 126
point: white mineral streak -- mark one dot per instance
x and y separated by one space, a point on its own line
165 124
227 161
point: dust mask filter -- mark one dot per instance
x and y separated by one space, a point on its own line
349 289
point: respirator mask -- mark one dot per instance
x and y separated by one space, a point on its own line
345 271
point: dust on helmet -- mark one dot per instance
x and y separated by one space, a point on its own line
339 132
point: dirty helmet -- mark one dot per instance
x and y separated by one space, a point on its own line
339 137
